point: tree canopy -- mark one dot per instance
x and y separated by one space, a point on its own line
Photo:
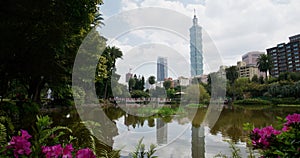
264 63
39 41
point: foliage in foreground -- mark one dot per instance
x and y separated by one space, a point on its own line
48 142
57 142
141 153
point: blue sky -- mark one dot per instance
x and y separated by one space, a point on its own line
232 28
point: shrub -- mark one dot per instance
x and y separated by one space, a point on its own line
289 101
252 102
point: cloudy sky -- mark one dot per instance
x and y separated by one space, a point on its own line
146 29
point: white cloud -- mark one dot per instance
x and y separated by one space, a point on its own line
128 5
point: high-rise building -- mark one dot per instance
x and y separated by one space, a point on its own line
162 68
285 56
196 54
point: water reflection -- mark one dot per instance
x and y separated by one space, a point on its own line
198 142
181 135
161 132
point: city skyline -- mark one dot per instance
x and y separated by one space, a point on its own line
228 28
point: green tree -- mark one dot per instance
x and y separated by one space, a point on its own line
239 87
264 63
139 94
231 74
139 83
171 93
151 80
131 84
39 42
111 54
167 84
255 79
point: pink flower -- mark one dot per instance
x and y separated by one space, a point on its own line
285 128
67 151
261 137
292 119
85 153
25 134
20 144
52 151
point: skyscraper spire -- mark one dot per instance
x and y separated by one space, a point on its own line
195 20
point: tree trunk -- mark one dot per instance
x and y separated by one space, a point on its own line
35 87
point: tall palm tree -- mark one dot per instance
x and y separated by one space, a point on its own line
264 63
112 54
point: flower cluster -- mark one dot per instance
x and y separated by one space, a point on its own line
261 138
274 143
57 151
85 153
292 120
20 144
21 147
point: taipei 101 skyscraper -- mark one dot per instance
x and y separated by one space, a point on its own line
196 55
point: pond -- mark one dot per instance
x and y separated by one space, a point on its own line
187 133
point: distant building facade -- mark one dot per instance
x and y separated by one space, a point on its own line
285 56
250 59
181 81
196 53
162 68
245 70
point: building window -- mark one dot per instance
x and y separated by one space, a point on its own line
297 69
296 53
296 57
295 45
288 50
290 66
297 61
290 62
